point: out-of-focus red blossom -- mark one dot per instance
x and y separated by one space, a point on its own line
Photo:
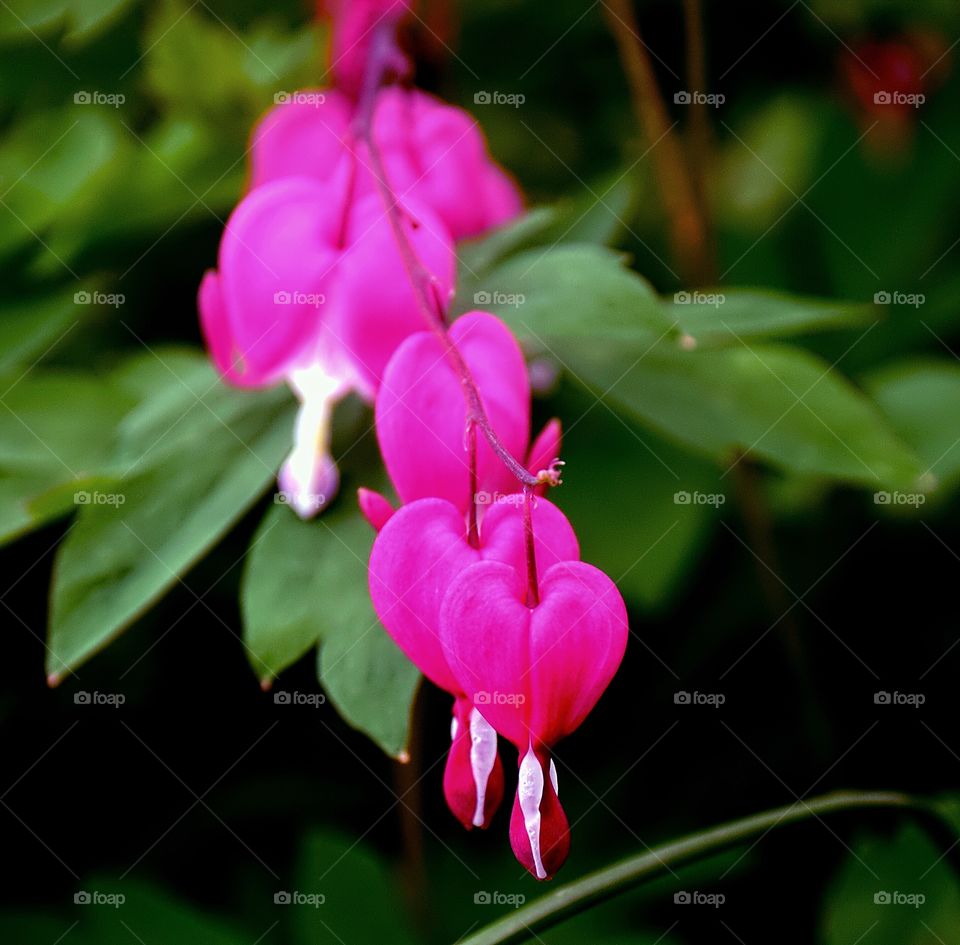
889 80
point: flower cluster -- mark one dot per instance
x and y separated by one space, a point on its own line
490 601
334 275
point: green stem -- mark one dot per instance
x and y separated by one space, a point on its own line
595 887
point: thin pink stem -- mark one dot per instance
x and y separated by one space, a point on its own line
473 526
423 282
533 584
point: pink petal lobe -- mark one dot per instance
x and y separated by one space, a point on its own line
437 153
421 412
276 258
485 628
534 673
304 136
414 558
380 308
374 507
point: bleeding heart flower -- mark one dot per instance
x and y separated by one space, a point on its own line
416 556
433 153
311 289
421 414
534 673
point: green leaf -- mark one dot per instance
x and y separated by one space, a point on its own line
23 19
725 316
183 41
168 511
149 914
48 163
648 537
34 325
921 398
359 899
900 888
569 291
56 432
779 403
306 582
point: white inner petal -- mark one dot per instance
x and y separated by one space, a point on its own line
309 477
530 792
483 756
454 727
553 778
